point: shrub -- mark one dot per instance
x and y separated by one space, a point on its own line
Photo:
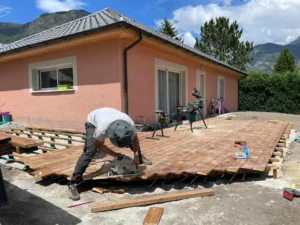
270 93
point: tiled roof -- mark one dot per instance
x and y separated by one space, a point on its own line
96 21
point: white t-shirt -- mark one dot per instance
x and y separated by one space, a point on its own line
103 117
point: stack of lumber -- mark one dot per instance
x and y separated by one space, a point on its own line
5 145
22 144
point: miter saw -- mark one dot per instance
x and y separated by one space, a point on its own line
122 166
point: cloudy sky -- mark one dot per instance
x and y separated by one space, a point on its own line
263 21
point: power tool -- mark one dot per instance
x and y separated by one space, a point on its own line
122 166
290 193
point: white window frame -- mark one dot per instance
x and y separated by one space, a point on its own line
56 69
221 78
176 68
69 62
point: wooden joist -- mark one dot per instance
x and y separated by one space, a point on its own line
151 200
153 216
43 148
57 143
55 130
57 134
46 136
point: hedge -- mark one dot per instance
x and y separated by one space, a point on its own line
270 93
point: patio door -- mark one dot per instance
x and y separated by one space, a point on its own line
168 91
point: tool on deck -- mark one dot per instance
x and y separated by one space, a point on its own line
245 149
290 193
192 110
122 166
162 120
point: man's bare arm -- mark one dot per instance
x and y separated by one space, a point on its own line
103 148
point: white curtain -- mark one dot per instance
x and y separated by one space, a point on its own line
173 79
162 90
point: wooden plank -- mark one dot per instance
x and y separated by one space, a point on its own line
151 200
153 216
22 142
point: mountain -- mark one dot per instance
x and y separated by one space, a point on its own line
265 55
10 32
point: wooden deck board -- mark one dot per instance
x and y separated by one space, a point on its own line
204 152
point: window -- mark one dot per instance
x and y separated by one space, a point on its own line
221 87
53 75
56 79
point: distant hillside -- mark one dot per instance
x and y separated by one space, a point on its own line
10 32
265 55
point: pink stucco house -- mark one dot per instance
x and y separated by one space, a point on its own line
55 78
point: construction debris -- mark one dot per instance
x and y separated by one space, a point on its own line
104 190
84 203
153 216
151 200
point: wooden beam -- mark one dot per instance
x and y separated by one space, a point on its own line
153 216
151 200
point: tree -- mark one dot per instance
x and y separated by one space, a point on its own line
222 41
285 62
168 28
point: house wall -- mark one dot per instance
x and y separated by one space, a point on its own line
98 71
141 78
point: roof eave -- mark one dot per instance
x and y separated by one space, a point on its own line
117 24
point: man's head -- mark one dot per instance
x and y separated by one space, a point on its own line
122 133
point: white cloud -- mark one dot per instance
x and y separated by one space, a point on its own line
263 21
59 5
4 11
189 39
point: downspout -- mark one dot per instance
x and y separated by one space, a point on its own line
126 70
239 92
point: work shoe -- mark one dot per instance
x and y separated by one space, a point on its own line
144 160
73 192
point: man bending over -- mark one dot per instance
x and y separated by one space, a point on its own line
105 123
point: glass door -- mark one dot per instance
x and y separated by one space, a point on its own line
168 91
